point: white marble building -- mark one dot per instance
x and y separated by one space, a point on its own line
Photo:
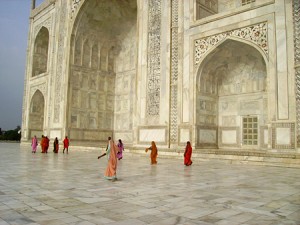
223 74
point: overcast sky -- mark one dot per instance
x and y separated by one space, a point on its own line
14 23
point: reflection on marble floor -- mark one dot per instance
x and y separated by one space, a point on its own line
69 188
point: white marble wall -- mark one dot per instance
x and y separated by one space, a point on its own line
212 116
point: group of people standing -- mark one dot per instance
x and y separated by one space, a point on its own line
115 152
45 144
187 153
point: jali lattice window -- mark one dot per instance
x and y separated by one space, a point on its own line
250 130
245 2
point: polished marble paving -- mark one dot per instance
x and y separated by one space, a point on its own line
51 189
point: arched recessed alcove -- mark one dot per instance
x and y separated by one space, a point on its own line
36 114
231 97
102 68
40 52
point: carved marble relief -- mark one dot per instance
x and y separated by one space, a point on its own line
257 34
75 5
283 136
297 76
296 16
174 72
46 23
41 87
153 79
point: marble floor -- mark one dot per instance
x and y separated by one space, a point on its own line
69 188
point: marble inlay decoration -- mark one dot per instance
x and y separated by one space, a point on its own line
257 34
154 67
174 72
279 136
60 59
75 5
296 15
297 75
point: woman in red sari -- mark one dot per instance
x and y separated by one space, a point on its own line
188 154
111 169
153 154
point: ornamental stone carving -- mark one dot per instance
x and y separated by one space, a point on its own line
75 6
174 72
297 75
154 67
257 34
296 15
41 87
47 23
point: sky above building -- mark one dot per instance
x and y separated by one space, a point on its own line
14 24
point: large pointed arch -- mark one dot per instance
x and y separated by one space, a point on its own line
230 89
36 114
103 38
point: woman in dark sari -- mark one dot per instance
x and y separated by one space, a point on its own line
55 145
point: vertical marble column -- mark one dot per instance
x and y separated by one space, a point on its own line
282 70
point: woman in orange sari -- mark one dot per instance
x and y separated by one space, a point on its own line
111 169
43 144
188 154
153 154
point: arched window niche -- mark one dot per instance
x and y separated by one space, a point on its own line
40 52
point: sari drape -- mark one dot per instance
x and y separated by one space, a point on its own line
120 152
111 169
34 144
153 154
188 155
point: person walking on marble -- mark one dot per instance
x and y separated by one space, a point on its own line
43 144
47 141
100 156
121 149
34 144
153 154
55 145
111 169
188 154
66 145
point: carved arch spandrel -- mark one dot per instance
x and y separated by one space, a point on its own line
255 34
46 23
76 4
198 66
41 87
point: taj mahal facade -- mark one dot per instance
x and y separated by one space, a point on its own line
222 74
